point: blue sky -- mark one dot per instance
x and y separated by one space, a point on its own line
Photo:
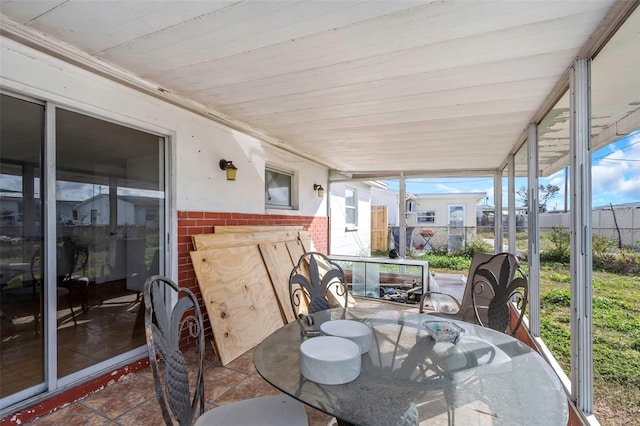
615 178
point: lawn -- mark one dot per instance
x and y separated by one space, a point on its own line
616 332
616 337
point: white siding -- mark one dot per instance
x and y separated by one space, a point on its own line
350 242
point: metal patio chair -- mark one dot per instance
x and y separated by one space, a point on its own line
181 401
316 283
493 283
70 259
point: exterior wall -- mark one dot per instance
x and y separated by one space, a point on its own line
382 197
350 242
199 222
197 144
199 196
441 207
602 223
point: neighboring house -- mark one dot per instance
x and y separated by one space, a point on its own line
131 210
450 217
95 211
350 218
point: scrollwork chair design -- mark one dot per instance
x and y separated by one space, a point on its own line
493 282
316 288
178 400
509 285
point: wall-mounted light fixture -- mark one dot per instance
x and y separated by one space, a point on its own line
229 168
319 189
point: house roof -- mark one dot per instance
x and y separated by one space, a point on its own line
370 89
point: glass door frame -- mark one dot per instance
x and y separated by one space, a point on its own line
52 382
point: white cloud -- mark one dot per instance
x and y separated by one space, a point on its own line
616 180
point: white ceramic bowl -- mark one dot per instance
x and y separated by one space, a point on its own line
358 332
330 360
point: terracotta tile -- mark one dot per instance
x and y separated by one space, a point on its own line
146 373
148 413
74 414
252 387
218 380
244 363
122 396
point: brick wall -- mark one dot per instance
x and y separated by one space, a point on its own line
191 223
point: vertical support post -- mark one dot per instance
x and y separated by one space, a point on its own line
49 294
497 214
581 245
402 199
534 231
511 191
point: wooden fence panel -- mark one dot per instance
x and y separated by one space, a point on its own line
379 228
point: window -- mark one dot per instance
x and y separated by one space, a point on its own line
351 207
426 217
278 188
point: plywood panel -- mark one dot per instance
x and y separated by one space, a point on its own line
217 241
307 242
256 228
239 298
296 250
279 265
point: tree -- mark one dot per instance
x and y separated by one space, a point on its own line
545 193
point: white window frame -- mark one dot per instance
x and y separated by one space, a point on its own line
429 216
292 198
351 226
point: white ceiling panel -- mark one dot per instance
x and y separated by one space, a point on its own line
360 86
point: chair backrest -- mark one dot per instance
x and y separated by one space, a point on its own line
70 258
316 283
495 283
163 328
467 311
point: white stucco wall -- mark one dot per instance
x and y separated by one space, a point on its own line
441 206
198 143
383 197
603 223
350 242
428 202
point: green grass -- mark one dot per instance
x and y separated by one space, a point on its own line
616 337
616 332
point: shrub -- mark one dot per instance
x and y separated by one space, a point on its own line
439 261
626 261
559 251
476 245
601 245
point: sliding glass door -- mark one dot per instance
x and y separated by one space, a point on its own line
74 264
109 237
21 236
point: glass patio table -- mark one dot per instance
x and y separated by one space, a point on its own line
407 378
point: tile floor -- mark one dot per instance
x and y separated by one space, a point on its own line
132 400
